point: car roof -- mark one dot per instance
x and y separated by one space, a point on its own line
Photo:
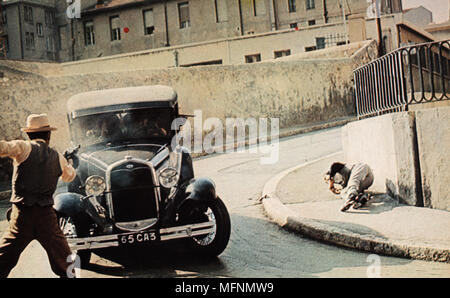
108 100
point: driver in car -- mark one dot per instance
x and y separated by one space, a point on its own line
107 129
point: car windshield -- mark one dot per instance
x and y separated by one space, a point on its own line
122 126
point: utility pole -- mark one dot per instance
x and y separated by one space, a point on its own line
345 21
380 32
166 23
2 36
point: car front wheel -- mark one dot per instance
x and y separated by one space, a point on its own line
73 230
214 243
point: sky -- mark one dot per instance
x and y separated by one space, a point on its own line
439 8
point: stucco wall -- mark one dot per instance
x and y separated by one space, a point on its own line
433 138
295 91
408 153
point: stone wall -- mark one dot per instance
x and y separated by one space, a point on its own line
296 91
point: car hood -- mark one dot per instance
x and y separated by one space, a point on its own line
103 158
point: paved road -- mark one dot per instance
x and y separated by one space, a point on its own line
258 248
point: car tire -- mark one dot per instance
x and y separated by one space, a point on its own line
8 214
212 247
85 257
80 230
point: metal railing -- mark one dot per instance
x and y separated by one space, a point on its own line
410 75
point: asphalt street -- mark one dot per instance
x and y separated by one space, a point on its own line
258 247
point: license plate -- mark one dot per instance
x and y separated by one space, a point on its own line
138 238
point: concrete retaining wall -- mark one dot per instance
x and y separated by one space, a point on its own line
433 138
408 152
386 143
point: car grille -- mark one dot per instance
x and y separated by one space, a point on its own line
132 192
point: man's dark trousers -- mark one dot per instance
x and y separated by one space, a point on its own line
30 223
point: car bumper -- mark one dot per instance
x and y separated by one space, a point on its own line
186 231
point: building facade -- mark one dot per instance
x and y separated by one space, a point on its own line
440 31
3 37
419 16
109 27
30 30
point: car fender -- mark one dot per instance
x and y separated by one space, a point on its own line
68 203
199 190
202 189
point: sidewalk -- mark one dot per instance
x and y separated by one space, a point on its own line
298 199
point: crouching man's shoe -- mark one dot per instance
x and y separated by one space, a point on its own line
360 201
349 203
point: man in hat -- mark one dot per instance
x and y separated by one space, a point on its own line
37 168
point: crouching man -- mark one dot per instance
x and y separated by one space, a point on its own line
354 180
37 168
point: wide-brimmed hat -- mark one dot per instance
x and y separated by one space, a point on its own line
37 123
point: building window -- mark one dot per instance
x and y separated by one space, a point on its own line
320 43
89 34
114 24
311 22
149 24
49 18
221 10
252 58
29 41
28 14
389 6
4 46
293 25
4 18
282 53
50 44
291 5
310 4
39 30
183 13
309 49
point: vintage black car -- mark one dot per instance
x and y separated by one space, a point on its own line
133 186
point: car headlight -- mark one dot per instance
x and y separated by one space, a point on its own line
168 177
95 185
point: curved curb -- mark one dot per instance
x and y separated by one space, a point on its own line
286 218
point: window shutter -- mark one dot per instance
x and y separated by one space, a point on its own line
184 12
115 22
148 18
